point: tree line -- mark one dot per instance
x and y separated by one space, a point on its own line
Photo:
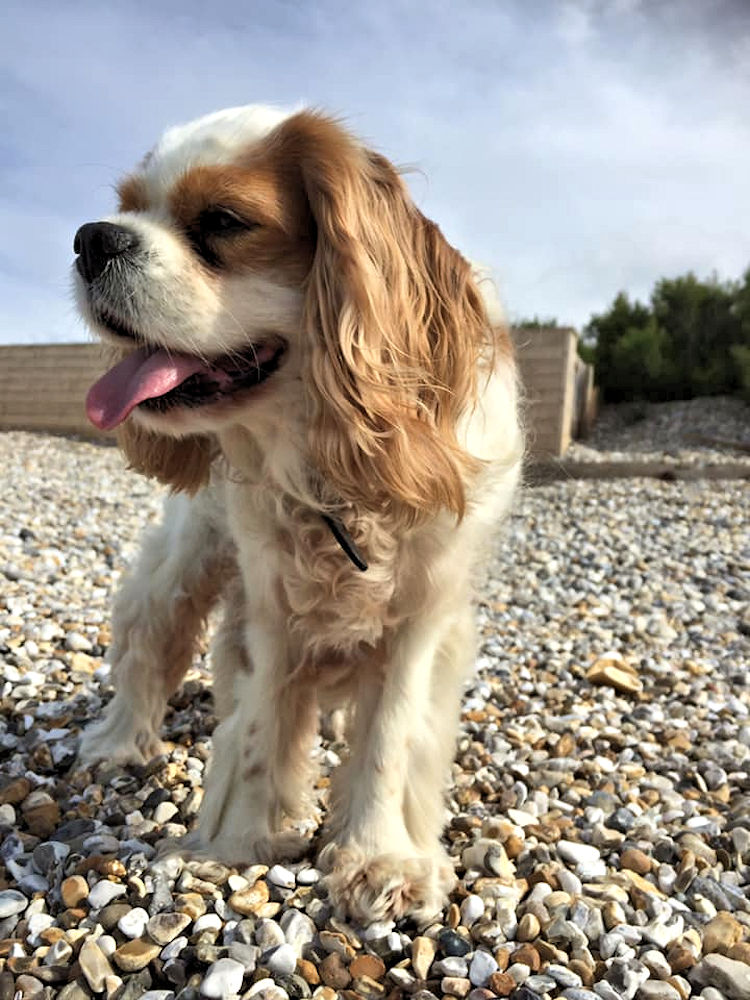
691 339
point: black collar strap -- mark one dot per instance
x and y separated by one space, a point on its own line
346 541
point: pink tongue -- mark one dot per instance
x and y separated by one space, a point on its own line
142 375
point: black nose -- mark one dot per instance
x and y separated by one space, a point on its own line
97 243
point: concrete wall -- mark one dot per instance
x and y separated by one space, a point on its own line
42 387
547 362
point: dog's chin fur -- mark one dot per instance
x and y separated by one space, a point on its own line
394 410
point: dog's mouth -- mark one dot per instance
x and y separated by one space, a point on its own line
158 380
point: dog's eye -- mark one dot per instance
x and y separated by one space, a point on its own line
223 222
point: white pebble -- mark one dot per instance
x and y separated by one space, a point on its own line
472 909
164 812
133 923
282 877
223 977
481 968
308 876
104 892
209 921
173 949
37 923
107 944
281 961
576 853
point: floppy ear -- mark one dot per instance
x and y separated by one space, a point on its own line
182 463
395 326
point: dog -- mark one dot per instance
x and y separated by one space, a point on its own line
328 388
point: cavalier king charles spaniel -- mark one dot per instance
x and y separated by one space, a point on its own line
328 388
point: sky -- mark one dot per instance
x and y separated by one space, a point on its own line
576 147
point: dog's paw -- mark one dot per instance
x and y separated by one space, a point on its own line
119 739
388 886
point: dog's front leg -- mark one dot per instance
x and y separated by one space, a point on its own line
260 764
384 856
159 615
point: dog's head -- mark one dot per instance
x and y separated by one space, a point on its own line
267 270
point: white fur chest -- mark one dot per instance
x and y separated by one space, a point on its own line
297 575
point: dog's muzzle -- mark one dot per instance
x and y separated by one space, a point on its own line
97 243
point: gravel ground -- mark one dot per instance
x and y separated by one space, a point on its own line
600 810
707 431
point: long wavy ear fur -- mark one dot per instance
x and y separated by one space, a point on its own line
395 327
181 463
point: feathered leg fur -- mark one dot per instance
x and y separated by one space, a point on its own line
159 615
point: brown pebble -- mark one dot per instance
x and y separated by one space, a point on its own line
135 955
51 934
28 987
548 952
74 890
71 917
455 986
308 972
454 916
681 985
164 927
367 965
721 933
422 954
22 963
502 984
43 819
680 958
325 993
502 957
333 972
368 988
527 955
614 673
635 861
103 865
529 928
514 845
15 791
249 901
740 952
191 903
585 971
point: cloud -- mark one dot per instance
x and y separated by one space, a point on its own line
577 148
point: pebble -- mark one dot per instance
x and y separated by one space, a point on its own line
281 961
278 875
481 968
423 951
653 990
12 902
102 893
133 923
298 929
223 979
135 955
165 927
529 928
472 909
94 965
728 975
452 943
721 933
